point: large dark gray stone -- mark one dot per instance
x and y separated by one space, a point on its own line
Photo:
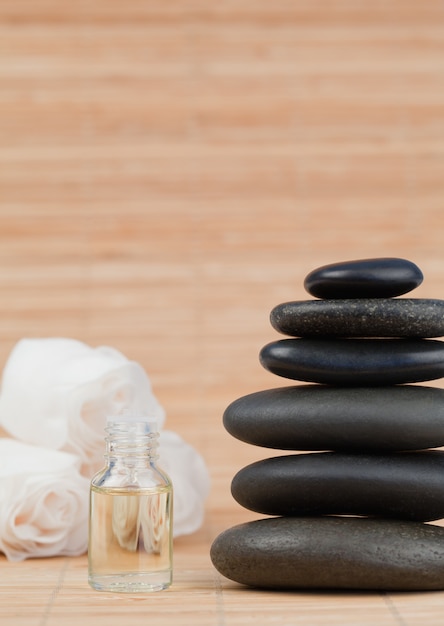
366 278
332 553
404 485
355 361
319 417
375 317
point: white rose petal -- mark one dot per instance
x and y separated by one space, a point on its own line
190 478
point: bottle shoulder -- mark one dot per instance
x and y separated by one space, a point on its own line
118 477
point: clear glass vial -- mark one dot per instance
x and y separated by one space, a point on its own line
130 524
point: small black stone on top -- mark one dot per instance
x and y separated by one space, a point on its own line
367 278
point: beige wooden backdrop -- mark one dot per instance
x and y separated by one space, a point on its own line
171 170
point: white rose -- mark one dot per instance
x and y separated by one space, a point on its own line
57 393
43 502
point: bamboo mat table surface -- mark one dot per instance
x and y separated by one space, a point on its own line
169 172
52 592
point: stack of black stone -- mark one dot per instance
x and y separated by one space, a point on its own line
352 512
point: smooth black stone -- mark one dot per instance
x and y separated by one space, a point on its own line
318 417
363 362
332 553
366 278
375 317
403 485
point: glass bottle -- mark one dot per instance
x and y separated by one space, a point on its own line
130 523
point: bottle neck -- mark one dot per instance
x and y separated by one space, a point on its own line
131 444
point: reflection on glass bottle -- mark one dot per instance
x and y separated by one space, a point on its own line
130 534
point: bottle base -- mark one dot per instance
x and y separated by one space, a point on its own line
131 582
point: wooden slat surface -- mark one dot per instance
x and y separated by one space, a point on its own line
169 171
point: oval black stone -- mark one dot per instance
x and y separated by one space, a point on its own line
332 553
363 362
318 417
366 278
375 317
403 485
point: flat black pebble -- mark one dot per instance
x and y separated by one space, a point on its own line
332 553
320 417
355 361
404 485
375 317
365 278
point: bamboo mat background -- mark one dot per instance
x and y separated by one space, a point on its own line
169 171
